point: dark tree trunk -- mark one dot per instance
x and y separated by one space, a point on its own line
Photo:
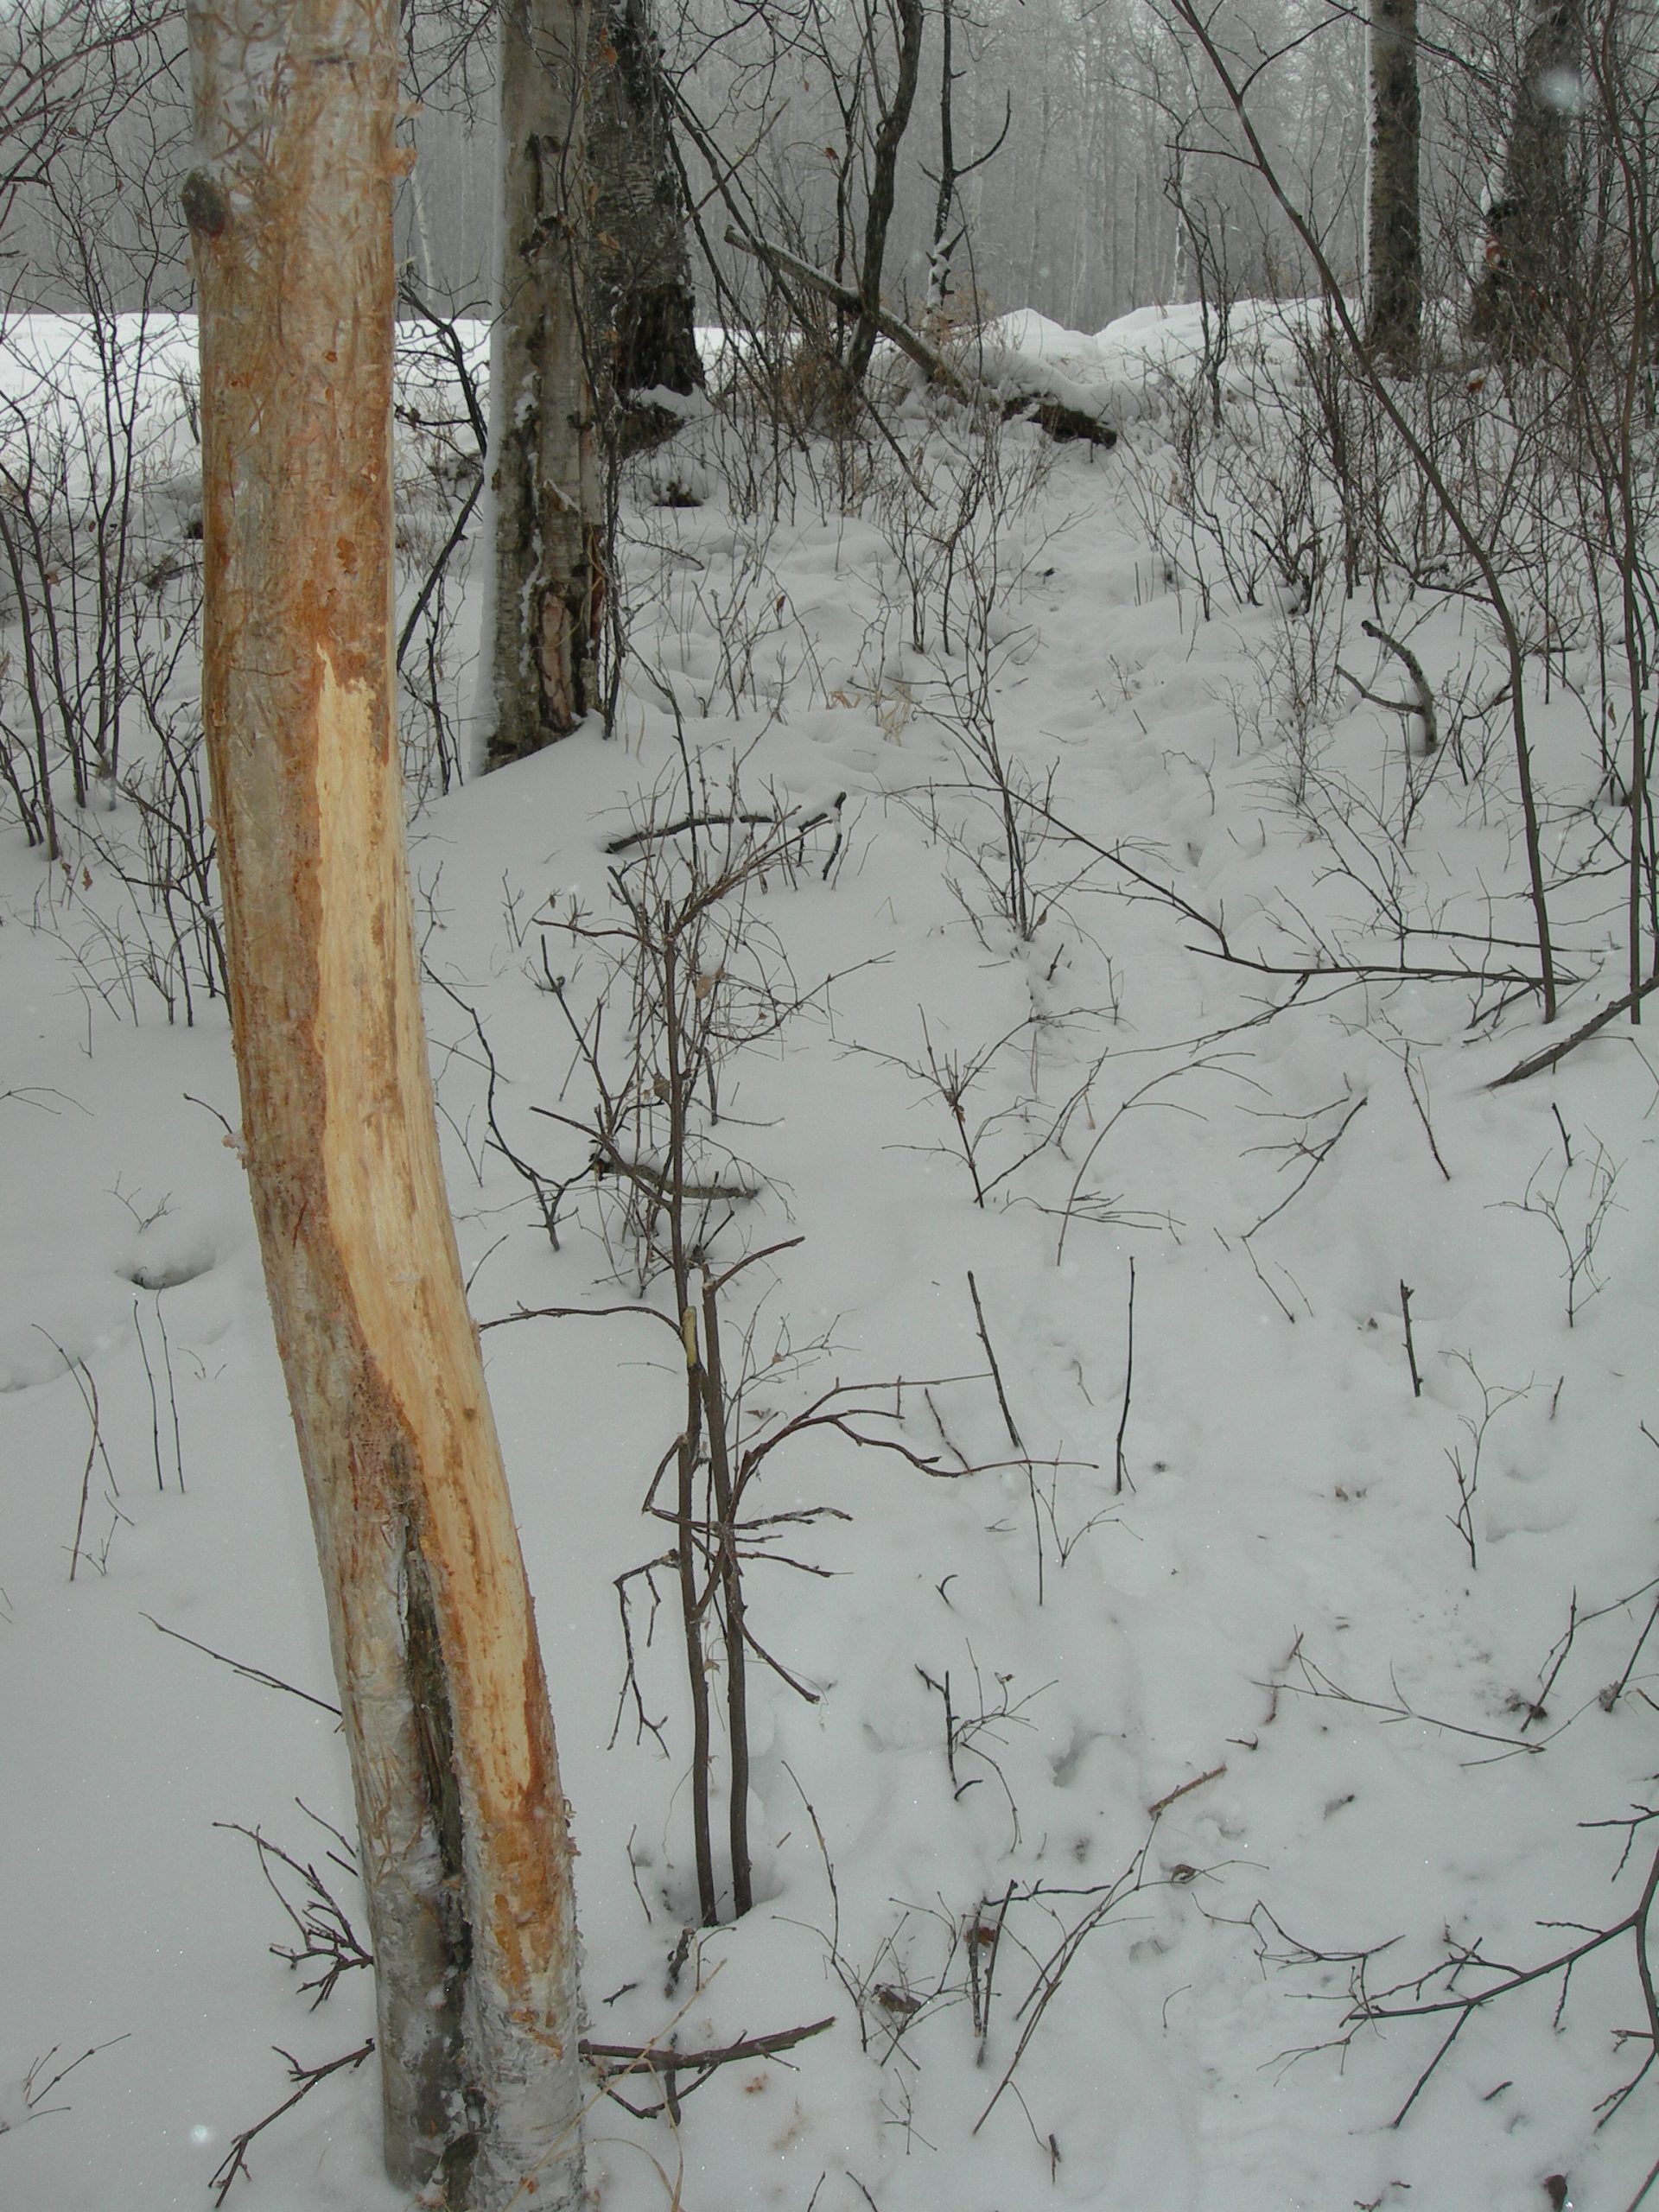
548 580
1393 303
1531 228
639 291
884 178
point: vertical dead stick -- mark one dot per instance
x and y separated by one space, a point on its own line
1411 1349
997 1372
1129 1384
1422 1116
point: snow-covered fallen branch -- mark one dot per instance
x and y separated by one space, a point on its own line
1065 413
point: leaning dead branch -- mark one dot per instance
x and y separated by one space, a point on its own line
619 2061
1056 417
1421 703
931 363
238 1666
1417 1998
1316 1683
1537 1062
308 2078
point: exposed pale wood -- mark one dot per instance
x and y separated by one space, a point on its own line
464 1849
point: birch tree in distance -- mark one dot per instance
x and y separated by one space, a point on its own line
464 1849
540 661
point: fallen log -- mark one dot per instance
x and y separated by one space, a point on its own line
1059 419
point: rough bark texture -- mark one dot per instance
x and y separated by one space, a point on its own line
465 1852
1532 226
1394 302
548 581
639 291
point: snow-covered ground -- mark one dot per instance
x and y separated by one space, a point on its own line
1176 1705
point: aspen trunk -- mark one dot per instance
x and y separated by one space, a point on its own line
464 1847
548 585
1394 299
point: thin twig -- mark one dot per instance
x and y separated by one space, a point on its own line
749 819
1422 1116
1612 1693
651 2058
1185 1787
1128 1380
1053 1971
1014 1436
1411 1349
248 1673
1317 1155
235 2161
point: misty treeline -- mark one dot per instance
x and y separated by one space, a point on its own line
1095 170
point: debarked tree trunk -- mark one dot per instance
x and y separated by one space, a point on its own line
464 1846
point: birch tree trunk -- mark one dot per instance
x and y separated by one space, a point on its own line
464 1846
1394 291
547 599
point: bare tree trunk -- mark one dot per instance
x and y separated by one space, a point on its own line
549 585
946 242
1531 227
465 1852
884 174
639 291
1039 207
943 244
1393 294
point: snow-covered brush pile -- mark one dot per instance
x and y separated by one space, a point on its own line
1189 1420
